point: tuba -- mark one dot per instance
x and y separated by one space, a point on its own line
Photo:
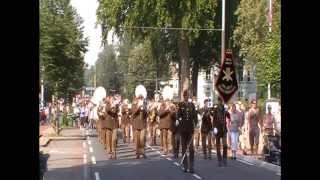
167 94
141 91
98 95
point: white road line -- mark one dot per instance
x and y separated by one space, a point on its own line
91 149
84 144
97 175
245 162
196 176
159 152
93 160
89 142
85 158
169 159
177 164
162 155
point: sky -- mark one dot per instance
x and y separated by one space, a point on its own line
87 10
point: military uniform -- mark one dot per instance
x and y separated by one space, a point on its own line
175 140
187 117
110 125
152 123
197 133
206 128
125 122
139 123
166 117
219 122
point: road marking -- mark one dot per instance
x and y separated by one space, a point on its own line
84 144
93 159
85 158
245 162
196 176
177 164
169 159
97 175
89 142
159 152
91 149
279 174
162 155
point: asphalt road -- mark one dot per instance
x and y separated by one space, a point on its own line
97 166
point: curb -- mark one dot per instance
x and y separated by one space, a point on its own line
259 163
68 138
47 141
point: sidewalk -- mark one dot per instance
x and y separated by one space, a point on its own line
256 160
48 134
66 159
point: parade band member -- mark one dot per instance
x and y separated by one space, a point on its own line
175 134
219 123
197 128
166 114
102 122
152 122
100 112
206 128
139 118
125 121
112 126
187 117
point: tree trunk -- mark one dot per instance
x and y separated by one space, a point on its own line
185 64
194 83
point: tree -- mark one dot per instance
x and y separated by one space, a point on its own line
107 69
269 65
119 14
258 46
62 47
139 67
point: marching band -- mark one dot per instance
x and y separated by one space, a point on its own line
175 122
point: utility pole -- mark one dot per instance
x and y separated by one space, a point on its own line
223 31
270 24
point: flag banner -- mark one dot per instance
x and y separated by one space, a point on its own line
226 83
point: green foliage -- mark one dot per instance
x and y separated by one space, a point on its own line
107 69
62 47
260 47
122 16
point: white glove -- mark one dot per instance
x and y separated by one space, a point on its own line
215 131
177 122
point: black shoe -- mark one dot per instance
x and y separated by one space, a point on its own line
210 157
138 157
144 156
191 170
184 169
234 158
